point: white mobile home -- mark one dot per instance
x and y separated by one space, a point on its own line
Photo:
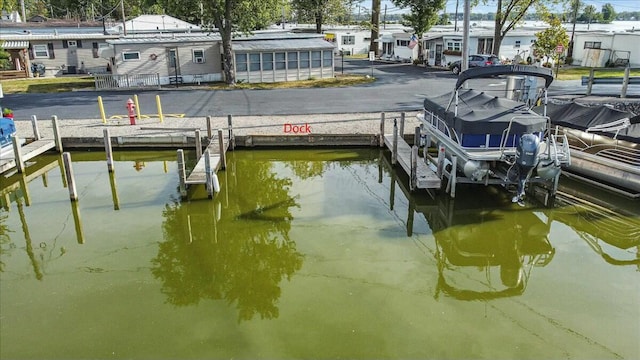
397 47
596 49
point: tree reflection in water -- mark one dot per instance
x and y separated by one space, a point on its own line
239 254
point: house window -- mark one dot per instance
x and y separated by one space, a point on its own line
292 60
40 52
592 44
130 55
402 42
517 45
281 62
454 45
72 43
254 62
327 60
348 40
267 61
241 62
316 59
198 56
304 60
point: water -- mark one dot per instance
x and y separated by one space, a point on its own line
306 254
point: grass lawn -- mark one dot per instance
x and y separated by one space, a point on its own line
576 73
65 84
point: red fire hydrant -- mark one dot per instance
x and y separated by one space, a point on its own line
131 108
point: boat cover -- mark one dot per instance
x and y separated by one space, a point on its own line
480 113
580 117
7 128
493 71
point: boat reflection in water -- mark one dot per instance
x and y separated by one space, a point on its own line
488 252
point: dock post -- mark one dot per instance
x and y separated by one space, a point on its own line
590 83
416 136
108 150
17 153
101 108
208 173
413 180
68 172
75 209
441 157
114 191
34 125
198 145
402 126
182 174
223 156
232 140
394 151
56 134
453 175
209 130
625 82
381 130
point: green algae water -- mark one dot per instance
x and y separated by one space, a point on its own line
306 254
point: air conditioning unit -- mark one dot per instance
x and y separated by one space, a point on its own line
199 60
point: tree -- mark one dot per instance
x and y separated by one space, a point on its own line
548 39
574 7
375 26
423 14
317 11
511 12
608 13
4 58
237 16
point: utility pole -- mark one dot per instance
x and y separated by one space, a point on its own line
124 20
24 13
384 19
375 26
465 35
455 23
282 16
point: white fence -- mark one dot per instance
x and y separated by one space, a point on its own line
137 81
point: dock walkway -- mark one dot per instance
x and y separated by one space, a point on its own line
426 178
27 152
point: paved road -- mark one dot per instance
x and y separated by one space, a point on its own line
399 87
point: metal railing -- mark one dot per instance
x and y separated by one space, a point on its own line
626 80
126 81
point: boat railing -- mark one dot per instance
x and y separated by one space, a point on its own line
561 148
615 150
440 125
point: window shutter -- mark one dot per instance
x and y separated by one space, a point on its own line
30 52
65 44
95 49
79 42
52 55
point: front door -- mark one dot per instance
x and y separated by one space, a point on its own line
173 64
438 61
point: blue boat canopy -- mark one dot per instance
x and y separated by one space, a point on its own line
480 113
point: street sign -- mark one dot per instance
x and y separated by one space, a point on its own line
372 55
560 49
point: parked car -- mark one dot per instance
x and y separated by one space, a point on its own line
475 61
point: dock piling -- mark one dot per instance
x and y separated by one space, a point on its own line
232 140
34 125
108 150
208 174
198 144
68 172
413 180
402 118
209 129
56 133
182 174
223 156
441 157
394 151
17 153
381 130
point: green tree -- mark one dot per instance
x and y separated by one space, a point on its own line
608 13
318 11
510 13
548 39
237 16
423 14
4 58
574 8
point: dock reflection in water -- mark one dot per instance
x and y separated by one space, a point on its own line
318 253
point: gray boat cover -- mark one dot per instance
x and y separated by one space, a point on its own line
580 117
480 113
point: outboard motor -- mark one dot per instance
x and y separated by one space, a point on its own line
526 160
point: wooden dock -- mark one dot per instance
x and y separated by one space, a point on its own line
28 152
425 178
209 162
